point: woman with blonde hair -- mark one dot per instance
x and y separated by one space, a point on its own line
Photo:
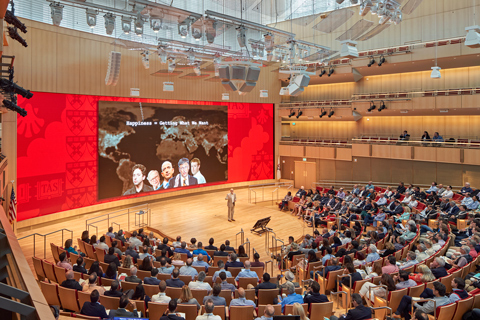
127 263
424 275
299 311
186 297
177 259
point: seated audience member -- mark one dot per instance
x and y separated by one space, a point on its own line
134 241
334 266
186 297
120 236
193 244
177 243
224 284
257 262
208 315
115 290
291 297
188 270
265 284
241 252
133 276
200 263
200 250
102 245
354 276
241 300
424 275
110 233
80 266
85 237
177 260
217 300
111 257
233 262
411 260
221 268
145 254
175 281
247 273
210 245
164 269
171 313
68 247
359 312
117 250
390 265
421 252
94 308
64 262
373 255
164 245
111 272
161 297
369 290
286 199
152 280
71 283
404 136
228 247
132 253
313 294
183 249
439 299
199 284
92 284
466 189
221 252
404 281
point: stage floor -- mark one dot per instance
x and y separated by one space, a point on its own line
201 216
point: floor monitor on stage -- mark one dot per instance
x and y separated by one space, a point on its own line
261 226
286 317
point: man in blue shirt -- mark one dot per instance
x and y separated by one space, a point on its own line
247 273
268 313
200 263
328 256
220 265
183 249
433 187
466 189
373 255
241 300
201 251
437 137
153 279
291 298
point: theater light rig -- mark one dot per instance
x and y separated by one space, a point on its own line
10 89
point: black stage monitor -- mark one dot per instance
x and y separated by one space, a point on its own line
261 226
286 317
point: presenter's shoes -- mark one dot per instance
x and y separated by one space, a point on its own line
233 219
229 220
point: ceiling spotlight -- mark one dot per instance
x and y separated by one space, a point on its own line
138 25
254 50
211 30
382 61
382 106
56 12
126 25
322 72
241 36
323 113
397 17
156 24
372 62
92 17
197 33
171 65
191 56
331 113
269 40
372 106
330 71
183 29
300 112
292 113
354 1
109 23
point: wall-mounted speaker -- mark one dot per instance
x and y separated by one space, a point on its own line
113 71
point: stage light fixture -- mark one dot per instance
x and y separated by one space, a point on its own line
56 12
126 25
156 24
323 113
10 86
436 73
299 113
472 40
261 51
372 62
241 36
11 19
138 25
109 23
382 106
354 1
183 29
322 72
197 33
372 106
331 113
12 106
381 61
340 1
12 32
330 71
211 30
292 113
92 17
254 49
145 59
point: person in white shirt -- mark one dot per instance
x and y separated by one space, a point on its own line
382 200
421 252
413 203
161 297
134 241
102 244
407 198
208 315
199 284
195 168
448 194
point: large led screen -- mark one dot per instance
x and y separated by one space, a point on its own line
145 147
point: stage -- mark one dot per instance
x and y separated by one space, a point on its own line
201 216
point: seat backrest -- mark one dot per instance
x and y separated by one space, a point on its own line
235 271
212 270
258 270
446 312
476 301
243 259
185 278
199 294
173 293
49 270
37 265
199 268
127 271
289 308
331 278
380 314
416 291
100 255
142 274
394 298
105 282
60 274
89 262
447 281
241 312
82 298
128 285
462 307
218 258
156 310
190 310
217 310
110 302
227 294
151 290
244 282
249 294
68 298
266 296
90 251
55 253
50 292
164 276
319 311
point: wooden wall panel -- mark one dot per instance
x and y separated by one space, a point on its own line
326 170
380 171
381 151
343 171
450 155
471 156
424 154
450 174
471 174
312 152
326 153
361 169
402 170
361 150
68 64
401 152
297 151
344 154
284 150
424 171
44 61
456 126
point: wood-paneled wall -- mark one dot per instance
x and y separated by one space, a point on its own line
393 126
68 61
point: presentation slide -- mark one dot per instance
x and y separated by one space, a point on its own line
147 147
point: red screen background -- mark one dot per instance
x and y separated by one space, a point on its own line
57 149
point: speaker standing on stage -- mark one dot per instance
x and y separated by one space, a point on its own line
231 198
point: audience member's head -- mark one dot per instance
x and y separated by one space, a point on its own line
94 296
124 301
175 273
209 306
162 286
217 288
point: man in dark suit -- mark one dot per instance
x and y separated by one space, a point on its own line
111 257
332 267
80 266
360 312
265 284
153 280
115 290
71 283
175 282
438 268
166 246
94 308
355 276
227 246
133 276
182 179
210 245
233 263
394 208
221 252
121 312
313 294
401 188
132 253
172 315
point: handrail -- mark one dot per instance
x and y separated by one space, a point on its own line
242 234
267 239
338 302
45 240
415 142
384 307
108 215
247 244
346 184
261 187
340 276
271 266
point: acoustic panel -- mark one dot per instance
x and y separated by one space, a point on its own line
410 6
334 20
372 33
356 30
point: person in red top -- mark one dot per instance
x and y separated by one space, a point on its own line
473 252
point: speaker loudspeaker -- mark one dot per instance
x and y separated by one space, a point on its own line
113 71
229 85
253 74
224 73
238 73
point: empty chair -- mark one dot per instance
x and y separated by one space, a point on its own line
37 265
173 293
49 270
319 311
50 292
266 296
68 298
